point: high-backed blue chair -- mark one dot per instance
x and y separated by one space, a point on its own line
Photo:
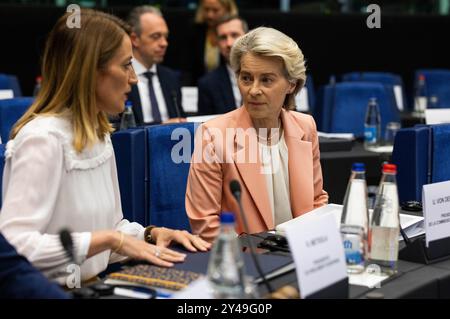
342 106
169 153
437 83
10 111
411 154
422 154
441 153
10 82
130 151
386 78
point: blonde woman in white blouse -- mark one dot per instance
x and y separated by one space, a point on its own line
60 167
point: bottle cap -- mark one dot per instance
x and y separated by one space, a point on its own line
128 104
390 168
358 167
373 99
39 79
227 218
421 77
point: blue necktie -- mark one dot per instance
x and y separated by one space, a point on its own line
154 103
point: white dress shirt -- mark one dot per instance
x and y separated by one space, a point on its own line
48 186
144 93
274 160
234 86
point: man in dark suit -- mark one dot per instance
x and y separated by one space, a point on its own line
157 96
218 91
20 280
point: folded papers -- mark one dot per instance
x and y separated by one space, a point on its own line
154 276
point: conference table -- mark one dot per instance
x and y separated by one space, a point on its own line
413 280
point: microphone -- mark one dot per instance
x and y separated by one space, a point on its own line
66 240
175 102
235 189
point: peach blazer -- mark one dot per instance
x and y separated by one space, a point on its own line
208 192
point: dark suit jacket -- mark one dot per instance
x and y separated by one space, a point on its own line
19 279
170 83
215 93
197 43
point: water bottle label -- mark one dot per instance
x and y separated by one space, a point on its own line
421 103
370 134
384 245
353 248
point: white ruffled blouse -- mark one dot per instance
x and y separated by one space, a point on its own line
48 186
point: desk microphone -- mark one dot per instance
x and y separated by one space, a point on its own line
235 189
173 93
66 240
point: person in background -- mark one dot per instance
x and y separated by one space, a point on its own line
270 149
206 50
156 98
218 91
60 169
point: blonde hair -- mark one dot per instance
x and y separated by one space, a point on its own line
273 43
70 64
229 5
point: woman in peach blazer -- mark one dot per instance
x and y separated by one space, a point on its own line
272 151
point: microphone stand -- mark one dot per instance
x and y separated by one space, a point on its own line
175 103
237 195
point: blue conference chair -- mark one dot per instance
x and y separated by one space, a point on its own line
10 82
411 154
437 83
342 107
130 151
10 111
169 152
441 153
386 78
422 154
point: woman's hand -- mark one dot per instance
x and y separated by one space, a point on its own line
164 236
141 250
132 247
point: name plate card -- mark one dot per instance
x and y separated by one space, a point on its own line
189 98
318 253
6 94
437 116
436 210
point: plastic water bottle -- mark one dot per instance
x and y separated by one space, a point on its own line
226 272
385 223
355 220
372 124
128 120
37 86
420 99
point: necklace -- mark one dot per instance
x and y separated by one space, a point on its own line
269 138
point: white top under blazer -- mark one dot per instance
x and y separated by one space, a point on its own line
48 186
